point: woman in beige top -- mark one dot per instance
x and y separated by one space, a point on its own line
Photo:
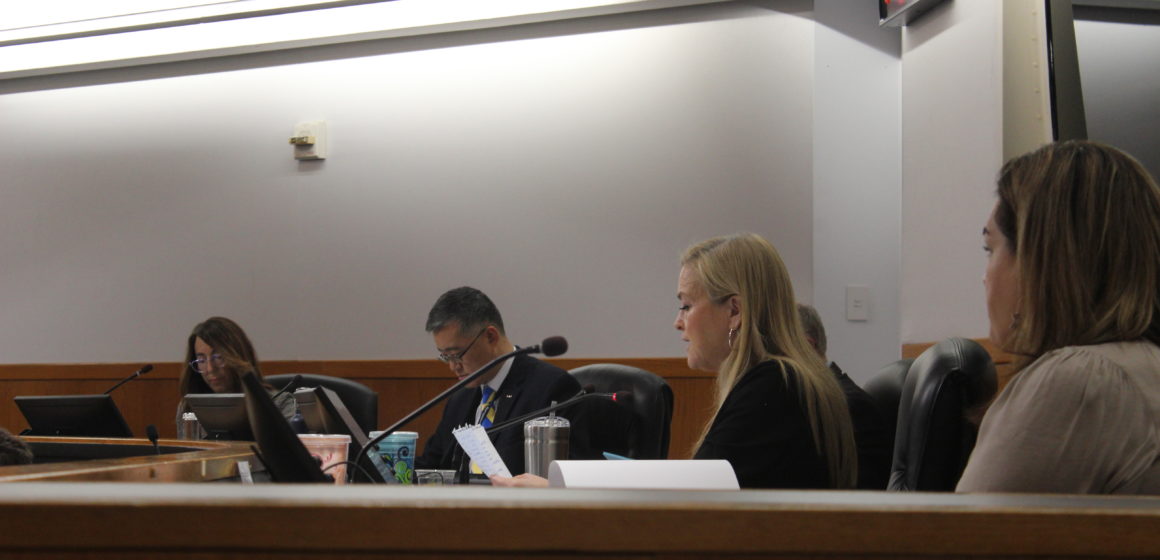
1073 291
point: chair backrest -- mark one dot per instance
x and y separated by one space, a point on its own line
886 389
652 404
361 401
935 437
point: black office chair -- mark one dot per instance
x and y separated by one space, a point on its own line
361 401
934 438
652 407
885 387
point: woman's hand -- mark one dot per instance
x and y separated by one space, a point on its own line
522 481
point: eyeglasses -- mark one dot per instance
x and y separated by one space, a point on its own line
458 356
200 364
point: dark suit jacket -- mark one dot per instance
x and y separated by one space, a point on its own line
870 434
763 431
530 385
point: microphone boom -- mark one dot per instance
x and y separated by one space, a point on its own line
144 369
551 346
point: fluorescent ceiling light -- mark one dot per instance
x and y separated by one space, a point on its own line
250 26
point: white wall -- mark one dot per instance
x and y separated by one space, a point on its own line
952 142
559 167
857 181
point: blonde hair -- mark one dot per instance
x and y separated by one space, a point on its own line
748 266
1083 221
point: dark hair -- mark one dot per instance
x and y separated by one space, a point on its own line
468 307
227 339
13 450
1083 222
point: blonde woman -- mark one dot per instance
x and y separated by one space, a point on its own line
779 417
1073 290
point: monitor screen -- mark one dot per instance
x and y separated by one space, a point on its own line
324 413
222 415
73 415
286 458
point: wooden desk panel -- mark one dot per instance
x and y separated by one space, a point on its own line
98 521
207 461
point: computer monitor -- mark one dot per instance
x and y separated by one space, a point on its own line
286 458
324 413
222 415
73 415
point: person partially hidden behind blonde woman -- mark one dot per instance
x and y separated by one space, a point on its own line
779 416
1073 291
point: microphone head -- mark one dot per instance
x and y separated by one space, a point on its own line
151 431
145 369
554 346
623 397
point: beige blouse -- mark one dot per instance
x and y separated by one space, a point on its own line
1080 419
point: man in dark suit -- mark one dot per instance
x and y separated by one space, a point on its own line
870 429
468 333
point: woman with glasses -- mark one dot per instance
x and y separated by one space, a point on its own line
217 353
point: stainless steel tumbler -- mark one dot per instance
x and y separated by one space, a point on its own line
545 440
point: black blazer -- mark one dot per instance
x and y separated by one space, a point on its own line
530 385
871 434
763 431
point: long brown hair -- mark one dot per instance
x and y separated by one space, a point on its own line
227 340
748 266
1083 221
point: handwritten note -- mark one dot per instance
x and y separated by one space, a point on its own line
475 442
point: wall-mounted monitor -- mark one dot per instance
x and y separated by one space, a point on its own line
1068 120
1118 44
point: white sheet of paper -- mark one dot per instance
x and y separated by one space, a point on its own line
474 441
705 474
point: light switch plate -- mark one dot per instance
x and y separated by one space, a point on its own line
857 303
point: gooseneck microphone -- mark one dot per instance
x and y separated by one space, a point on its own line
551 346
622 397
144 369
293 384
151 432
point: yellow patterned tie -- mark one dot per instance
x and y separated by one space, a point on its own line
486 415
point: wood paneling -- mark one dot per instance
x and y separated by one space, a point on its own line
403 385
1003 365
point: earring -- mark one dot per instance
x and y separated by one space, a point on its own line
732 334
1015 318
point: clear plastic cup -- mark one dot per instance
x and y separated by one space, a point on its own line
330 449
